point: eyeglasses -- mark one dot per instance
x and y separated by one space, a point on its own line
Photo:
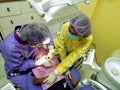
34 44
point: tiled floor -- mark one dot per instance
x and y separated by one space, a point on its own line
3 80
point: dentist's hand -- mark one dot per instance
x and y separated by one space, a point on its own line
67 73
50 54
40 61
51 77
47 63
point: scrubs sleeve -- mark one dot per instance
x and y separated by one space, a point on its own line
27 64
59 43
17 60
77 53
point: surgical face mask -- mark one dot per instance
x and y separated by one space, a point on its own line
73 37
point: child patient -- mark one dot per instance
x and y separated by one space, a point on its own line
41 73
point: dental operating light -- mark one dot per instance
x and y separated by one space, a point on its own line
54 11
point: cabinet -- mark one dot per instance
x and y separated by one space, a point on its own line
1 37
16 13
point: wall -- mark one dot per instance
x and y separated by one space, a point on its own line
106 28
105 20
88 9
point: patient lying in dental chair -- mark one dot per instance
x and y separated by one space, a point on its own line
41 73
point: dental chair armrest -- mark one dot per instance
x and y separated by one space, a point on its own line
93 83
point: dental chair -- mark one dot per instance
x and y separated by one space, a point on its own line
109 75
55 11
106 77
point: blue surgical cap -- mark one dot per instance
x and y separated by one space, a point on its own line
35 33
81 25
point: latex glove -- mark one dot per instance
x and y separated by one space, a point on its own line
40 61
47 64
67 73
51 77
50 54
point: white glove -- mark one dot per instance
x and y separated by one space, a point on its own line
52 77
50 54
47 64
67 73
40 61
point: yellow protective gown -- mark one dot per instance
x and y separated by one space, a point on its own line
69 50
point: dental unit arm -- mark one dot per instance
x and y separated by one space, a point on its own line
91 83
55 11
